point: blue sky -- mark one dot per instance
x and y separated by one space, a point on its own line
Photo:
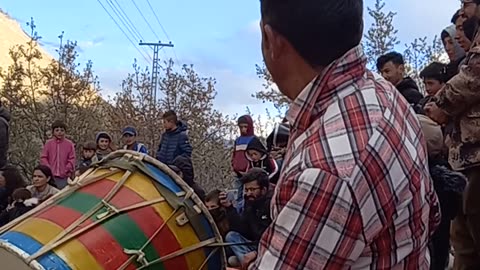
220 37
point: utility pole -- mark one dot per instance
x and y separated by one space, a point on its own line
155 66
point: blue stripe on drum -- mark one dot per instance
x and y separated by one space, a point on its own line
30 246
215 261
164 179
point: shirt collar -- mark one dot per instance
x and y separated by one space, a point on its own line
319 93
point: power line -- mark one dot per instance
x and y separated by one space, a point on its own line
163 29
127 19
129 39
158 20
145 19
122 20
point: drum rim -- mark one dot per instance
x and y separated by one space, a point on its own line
20 254
181 183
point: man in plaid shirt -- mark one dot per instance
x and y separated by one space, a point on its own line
355 192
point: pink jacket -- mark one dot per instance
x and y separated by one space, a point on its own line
59 155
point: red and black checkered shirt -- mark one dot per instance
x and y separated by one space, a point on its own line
355 191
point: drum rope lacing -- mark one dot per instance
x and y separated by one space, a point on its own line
43 206
64 236
139 255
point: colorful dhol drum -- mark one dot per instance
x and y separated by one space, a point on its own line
128 211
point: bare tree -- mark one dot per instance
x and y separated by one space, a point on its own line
191 97
38 95
381 37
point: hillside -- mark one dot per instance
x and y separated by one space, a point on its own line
13 34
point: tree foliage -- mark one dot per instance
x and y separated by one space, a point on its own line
381 37
191 97
38 95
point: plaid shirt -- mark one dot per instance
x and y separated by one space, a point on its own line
355 191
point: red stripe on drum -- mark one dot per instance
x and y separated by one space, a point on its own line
146 218
107 252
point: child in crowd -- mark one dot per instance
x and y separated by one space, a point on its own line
129 139
43 185
218 212
104 144
259 157
59 154
239 159
174 142
88 157
23 202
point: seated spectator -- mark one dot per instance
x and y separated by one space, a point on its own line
43 183
10 180
129 138
449 186
104 144
184 168
22 203
88 157
255 218
218 212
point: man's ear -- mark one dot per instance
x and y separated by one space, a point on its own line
274 42
402 68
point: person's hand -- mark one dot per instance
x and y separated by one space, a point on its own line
248 259
435 113
224 201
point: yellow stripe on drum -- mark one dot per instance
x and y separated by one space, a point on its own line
185 235
73 252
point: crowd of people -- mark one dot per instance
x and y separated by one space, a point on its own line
365 171
253 164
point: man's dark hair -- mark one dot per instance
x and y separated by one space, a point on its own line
170 116
213 196
320 31
256 174
58 124
436 71
456 16
394 57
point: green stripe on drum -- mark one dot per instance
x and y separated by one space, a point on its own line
122 228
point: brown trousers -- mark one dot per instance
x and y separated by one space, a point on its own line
465 232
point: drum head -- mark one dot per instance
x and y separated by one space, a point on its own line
10 261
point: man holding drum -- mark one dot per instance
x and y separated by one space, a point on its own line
355 191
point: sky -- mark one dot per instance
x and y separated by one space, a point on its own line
221 38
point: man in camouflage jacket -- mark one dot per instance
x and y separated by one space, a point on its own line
459 103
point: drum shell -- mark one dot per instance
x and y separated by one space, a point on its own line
103 246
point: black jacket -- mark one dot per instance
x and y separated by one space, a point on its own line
174 143
4 135
409 90
18 209
254 220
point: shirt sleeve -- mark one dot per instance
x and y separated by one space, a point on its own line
320 227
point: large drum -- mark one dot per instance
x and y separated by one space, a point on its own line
127 212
